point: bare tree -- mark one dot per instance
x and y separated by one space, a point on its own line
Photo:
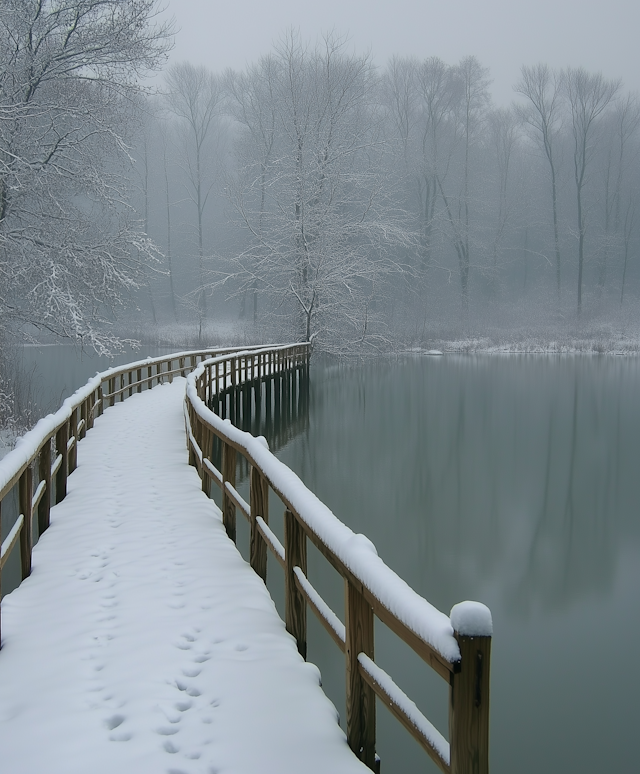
164 139
543 114
194 95
619 130
588 97
504 134
309 191
470 112
69 243
253 104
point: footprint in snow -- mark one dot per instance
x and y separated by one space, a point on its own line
167 730
120 736
115 721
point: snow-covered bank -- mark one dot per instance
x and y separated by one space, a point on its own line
143 642
615 345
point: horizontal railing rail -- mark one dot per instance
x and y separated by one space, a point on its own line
457 647
45 456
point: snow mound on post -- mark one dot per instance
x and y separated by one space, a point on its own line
472 619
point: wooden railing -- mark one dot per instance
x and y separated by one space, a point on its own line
45 456
456 647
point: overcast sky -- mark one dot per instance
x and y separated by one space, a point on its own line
601 35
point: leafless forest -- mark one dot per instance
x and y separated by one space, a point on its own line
312 195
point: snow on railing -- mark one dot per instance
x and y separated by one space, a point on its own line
456 647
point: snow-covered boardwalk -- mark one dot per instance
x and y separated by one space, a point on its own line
142 642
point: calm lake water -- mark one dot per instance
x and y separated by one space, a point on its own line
510 480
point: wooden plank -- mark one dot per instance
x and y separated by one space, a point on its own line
238 501
404 709
361 700
9 543
271 540
25 496
213 472
56 465
322 611
37 496
469 707
259 490
295 542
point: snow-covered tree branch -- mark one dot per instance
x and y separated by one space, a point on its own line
70 246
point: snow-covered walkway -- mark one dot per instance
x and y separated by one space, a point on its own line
143 642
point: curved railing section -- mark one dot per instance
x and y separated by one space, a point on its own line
457 647
45 456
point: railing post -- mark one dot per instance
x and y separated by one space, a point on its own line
259 489
361 700
73 433
228 474
193 418
112 389
469 696
84 413
62 437
25 493
295 552
139 380
44 506
207 438
149 377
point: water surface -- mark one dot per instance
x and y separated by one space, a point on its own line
509 480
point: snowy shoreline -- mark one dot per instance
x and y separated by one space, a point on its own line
485 346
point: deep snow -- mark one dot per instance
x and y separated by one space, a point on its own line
142 642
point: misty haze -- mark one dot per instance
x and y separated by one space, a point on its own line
454 231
